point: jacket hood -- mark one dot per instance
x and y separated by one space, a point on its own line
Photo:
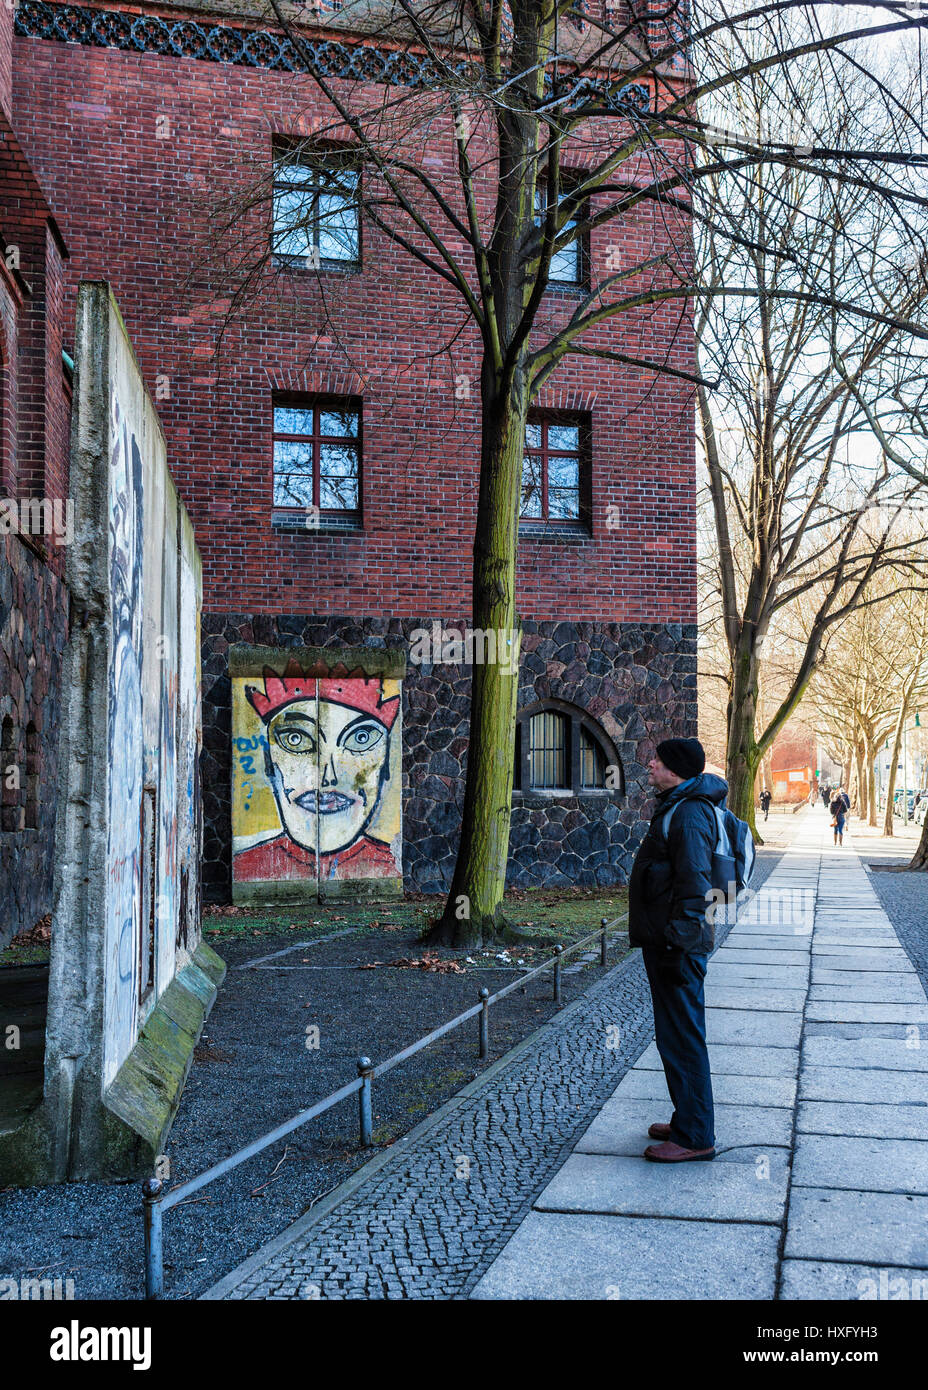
707 784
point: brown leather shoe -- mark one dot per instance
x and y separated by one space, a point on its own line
672 1153
659 1131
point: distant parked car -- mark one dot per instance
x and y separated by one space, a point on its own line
897 803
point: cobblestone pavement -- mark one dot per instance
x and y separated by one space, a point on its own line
429 1215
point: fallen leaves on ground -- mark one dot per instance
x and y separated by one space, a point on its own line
205 1052
429 961
38 935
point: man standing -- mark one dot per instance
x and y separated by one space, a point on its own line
765 802
668 896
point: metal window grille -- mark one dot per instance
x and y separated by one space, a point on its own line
548 750
592 762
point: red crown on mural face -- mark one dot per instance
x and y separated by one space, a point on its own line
365 693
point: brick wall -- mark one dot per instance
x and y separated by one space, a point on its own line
34 426
128 200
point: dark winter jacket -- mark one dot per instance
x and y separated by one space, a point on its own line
671 881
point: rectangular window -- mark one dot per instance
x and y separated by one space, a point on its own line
316 207
555 468
568 265
317 455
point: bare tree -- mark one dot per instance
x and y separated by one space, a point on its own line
801 513
558 120
872 673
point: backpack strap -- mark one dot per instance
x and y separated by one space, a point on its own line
722 844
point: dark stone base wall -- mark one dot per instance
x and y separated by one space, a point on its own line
637 680
33 630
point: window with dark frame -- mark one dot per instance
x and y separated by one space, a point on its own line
555 469
317 455
316 212
547 751
559 749
570 264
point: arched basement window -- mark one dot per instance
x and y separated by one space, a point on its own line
561 749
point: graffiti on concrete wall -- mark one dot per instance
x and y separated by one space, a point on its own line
124 744
316 775
150 910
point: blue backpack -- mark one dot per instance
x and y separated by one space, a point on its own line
733 856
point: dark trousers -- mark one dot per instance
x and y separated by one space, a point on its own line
680 1034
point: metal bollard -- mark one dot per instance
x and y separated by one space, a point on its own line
602 941
484 1022
557 974
152 1190
366 1072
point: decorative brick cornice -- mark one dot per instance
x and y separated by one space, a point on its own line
260 48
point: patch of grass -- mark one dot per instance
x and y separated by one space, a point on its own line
25 955
552 916
538 915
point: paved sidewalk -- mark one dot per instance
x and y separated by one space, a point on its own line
820 1185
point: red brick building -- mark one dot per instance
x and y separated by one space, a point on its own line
35 395
134 118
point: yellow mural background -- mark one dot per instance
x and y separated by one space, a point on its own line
254 812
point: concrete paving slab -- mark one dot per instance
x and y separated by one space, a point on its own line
866 1227
621 1127
862 1084
750 997
895 1054
859 957
861 1163
894 1031
864 937
905 992
826 970
736 1060
774 976
818 1279
754 1026
738 940
607 1184
614 1257
740 955
849 1117
818 1011
777 1091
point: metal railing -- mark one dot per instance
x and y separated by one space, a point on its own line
156 1201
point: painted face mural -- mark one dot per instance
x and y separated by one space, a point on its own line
324 754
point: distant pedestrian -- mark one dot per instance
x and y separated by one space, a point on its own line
839 806
669 892
826 796
765 802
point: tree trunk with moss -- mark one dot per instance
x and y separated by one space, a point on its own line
743 754
472 910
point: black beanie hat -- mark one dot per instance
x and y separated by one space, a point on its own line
684 756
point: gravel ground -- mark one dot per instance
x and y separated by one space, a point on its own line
253 1069
904 896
